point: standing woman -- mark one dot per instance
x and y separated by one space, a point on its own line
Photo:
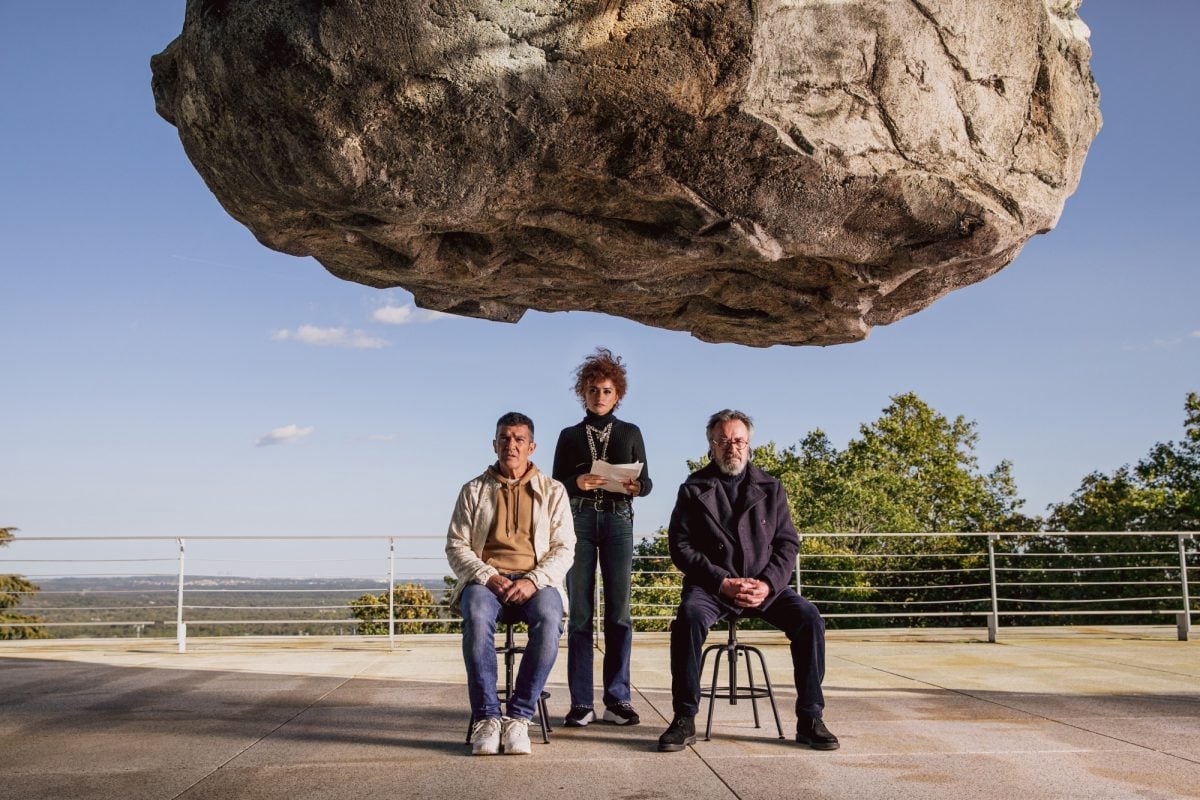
604 532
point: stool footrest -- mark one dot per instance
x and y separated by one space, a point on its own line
741 693
733 691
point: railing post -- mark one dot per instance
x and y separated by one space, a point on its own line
391 593
1183 622
994 617
798 584
180 625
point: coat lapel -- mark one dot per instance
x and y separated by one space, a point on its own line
708 499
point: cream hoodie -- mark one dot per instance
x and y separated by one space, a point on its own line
471 523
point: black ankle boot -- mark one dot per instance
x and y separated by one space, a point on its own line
812 732
679 735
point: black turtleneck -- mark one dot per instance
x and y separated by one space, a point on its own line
572 457
734 488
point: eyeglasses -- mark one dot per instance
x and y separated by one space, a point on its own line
736 444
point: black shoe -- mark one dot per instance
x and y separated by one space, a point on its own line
579 717
812 732
621 714
679 735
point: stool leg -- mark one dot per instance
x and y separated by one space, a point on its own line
712 697
510 656
770 691
745 651
545 720
733 690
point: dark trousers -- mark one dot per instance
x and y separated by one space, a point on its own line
789 612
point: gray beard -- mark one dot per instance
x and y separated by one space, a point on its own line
731 471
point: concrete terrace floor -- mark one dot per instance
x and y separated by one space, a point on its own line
1046 713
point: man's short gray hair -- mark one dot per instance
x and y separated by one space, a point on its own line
729 415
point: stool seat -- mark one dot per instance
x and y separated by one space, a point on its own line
510 650
731 691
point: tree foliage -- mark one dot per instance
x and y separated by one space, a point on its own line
14 589
410 601
1161 492
656 584
912 470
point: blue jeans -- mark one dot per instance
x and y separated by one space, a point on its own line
481 611
609 534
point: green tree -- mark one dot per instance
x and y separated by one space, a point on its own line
411 601
13 589
1161 492
654 594
913 470
448 584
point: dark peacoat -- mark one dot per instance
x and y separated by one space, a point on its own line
763 543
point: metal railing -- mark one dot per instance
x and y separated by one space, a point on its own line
855 579
1022 578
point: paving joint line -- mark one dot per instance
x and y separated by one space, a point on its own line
965 693
1103 660
276 729
691 748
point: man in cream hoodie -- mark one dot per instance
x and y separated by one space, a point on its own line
510 543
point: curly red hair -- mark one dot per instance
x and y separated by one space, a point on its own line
601 365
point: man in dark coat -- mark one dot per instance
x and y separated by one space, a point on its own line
731 535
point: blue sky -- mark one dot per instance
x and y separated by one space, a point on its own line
145 370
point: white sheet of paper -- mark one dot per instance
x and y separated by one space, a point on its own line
615 473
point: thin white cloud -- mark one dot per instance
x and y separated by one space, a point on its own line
330 337
1163 343
381 437
288 433
407 314
394 315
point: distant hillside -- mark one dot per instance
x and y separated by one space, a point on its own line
213 605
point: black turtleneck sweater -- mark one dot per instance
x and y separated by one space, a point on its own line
572 457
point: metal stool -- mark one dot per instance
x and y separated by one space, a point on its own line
511 651
732 691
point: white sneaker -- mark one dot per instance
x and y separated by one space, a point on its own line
514 736
485 737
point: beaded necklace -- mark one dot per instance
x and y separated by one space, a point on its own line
603 435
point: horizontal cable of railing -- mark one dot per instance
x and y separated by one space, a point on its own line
343 606
870 576
1084 569
1089 583
808 571
1087 554
809 587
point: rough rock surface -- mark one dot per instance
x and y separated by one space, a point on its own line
778 171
